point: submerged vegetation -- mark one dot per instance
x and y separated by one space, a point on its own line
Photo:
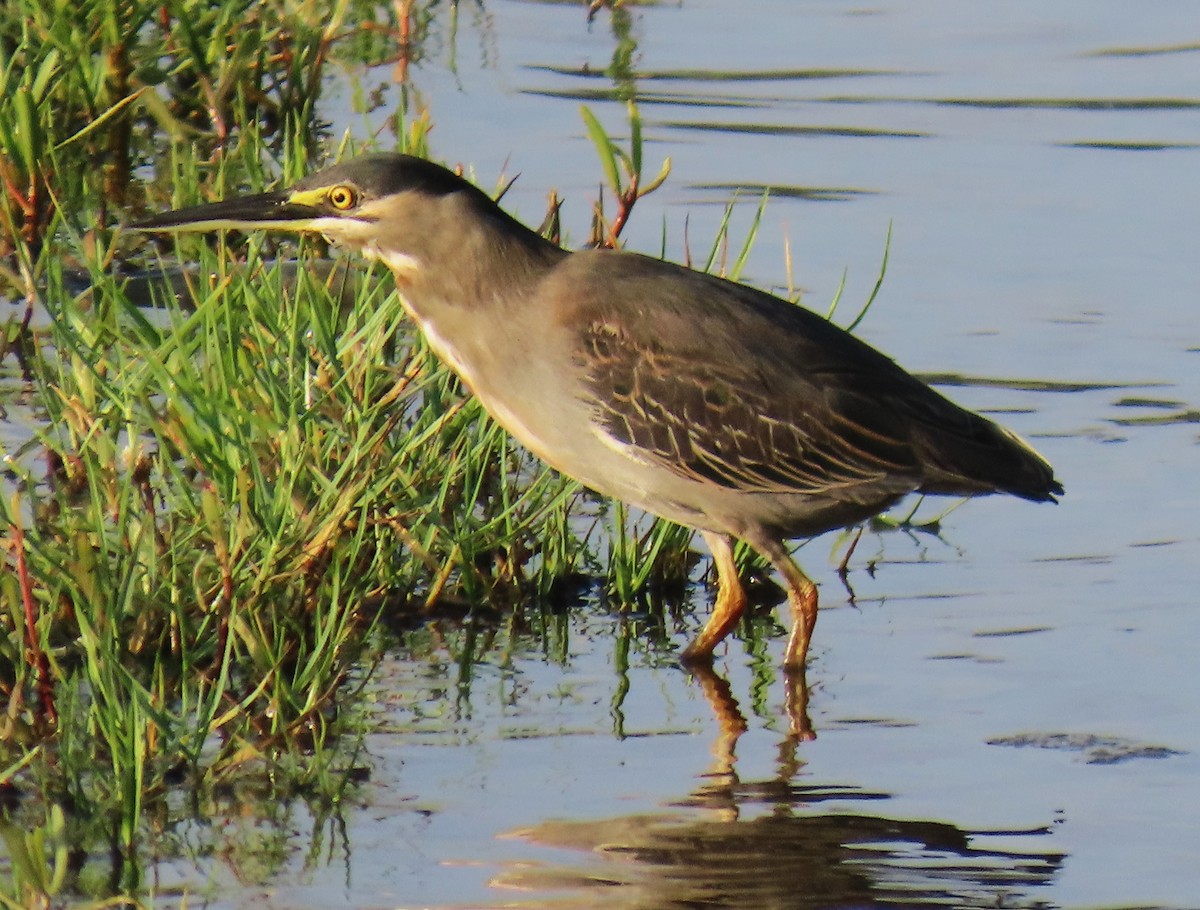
242 479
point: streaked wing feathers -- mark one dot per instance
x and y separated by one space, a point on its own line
725 424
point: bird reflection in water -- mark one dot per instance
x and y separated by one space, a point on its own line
720 785
769 843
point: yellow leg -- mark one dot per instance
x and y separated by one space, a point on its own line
731 600
802 598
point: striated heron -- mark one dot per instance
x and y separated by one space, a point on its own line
695 398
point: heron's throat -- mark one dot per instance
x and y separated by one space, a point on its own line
404 268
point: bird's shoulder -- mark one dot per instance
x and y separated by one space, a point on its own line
675 305
628 307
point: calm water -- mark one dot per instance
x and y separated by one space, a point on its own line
1008 714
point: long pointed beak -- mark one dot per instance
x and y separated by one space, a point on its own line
264 211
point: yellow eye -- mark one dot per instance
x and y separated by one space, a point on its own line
342 198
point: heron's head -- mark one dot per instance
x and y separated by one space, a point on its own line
375 204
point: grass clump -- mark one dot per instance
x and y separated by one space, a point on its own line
240 484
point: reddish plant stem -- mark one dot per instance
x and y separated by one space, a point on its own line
36 655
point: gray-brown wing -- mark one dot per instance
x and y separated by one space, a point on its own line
729 421
720 382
